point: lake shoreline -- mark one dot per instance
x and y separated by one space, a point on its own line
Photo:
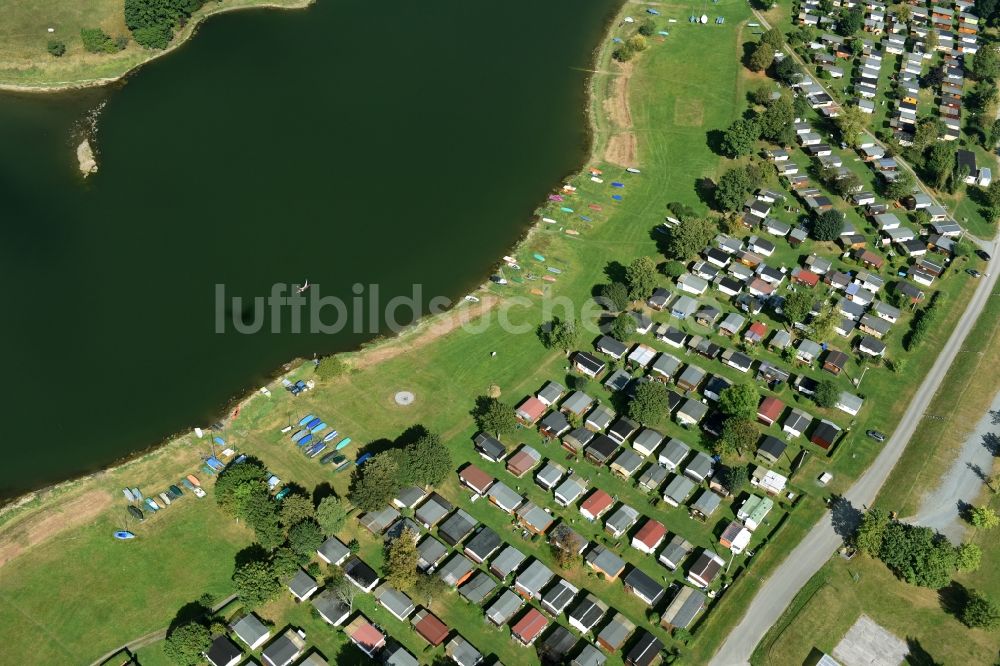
594 104
181 38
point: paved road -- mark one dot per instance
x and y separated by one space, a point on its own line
822 541
153 636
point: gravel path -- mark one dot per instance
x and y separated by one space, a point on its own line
962 483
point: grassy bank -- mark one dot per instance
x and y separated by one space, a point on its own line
25 64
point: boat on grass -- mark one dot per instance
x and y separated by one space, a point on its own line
305 440
306 419
128 494
318 428
136 513
165 498
151 503
633 170
315 449
539 257
193 479
330 436
472 299
124 535
343 443
299 435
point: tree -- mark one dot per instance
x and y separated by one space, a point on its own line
980 611
153 37
331 514
285 562
740 400
773 38
985 63
761 57
827 393
651 403
648 27
940 163
984 518
824 323
331 367
305 537
968 557
738 435
295 509
903 12
495 416
186 643
232 483
428 460
870 532
933 78
931 41
675 269
828 225
255 583
901 187
376 483
564 546
56 47
637 43
689 238
343 589
623 53
427 588
918 555
401 560
787 71
560 334
992 194
797 306
736 479
847 184
851 122
640 277
777 120
731 190
739 139
615 296
851 20
623 327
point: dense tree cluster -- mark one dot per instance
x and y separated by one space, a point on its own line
918 555
651 404
734 185
424 462
689 238
153 22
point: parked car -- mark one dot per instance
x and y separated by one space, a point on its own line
973 272
983 254
876 435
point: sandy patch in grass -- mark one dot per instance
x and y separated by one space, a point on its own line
56 518
689 112
621 148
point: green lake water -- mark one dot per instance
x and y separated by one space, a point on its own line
392 143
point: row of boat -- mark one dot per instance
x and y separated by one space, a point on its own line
312 438
166 497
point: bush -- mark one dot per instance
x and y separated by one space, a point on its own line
922 322
96 40
623 53
647 27
56 47
153 37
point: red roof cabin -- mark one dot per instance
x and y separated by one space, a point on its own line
430 628
529 627
529 411
756 332
805 277
596 504
649 536
476 479
769 410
